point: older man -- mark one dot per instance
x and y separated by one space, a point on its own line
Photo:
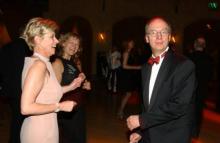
169 83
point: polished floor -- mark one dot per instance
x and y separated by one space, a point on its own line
104 127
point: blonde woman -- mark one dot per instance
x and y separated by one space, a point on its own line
41 92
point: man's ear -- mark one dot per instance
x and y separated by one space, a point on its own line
146 39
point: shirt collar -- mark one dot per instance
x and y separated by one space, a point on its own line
162 54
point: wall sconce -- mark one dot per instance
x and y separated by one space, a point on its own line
101 37
173 39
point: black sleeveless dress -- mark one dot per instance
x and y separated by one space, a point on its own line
72 124
130 80
69 74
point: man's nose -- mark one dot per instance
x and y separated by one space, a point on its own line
159 35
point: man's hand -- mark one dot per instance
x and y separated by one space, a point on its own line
133 122
135 138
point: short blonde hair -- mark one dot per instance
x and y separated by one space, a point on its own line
37 27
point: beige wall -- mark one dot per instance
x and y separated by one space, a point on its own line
116 10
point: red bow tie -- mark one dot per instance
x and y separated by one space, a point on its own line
153 60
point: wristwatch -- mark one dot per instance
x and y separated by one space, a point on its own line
57 107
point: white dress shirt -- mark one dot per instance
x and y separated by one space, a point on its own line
154 72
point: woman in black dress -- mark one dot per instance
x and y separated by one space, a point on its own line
130 74
67 67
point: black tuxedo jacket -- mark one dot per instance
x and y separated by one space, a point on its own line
169 116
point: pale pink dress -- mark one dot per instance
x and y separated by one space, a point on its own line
42 128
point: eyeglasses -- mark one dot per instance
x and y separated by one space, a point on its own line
155 33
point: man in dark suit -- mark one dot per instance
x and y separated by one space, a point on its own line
169 84
204 73
11 62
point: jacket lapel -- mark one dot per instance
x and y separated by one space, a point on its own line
146 79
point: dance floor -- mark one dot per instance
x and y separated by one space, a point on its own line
104 127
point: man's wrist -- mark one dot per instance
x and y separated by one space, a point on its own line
140 121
